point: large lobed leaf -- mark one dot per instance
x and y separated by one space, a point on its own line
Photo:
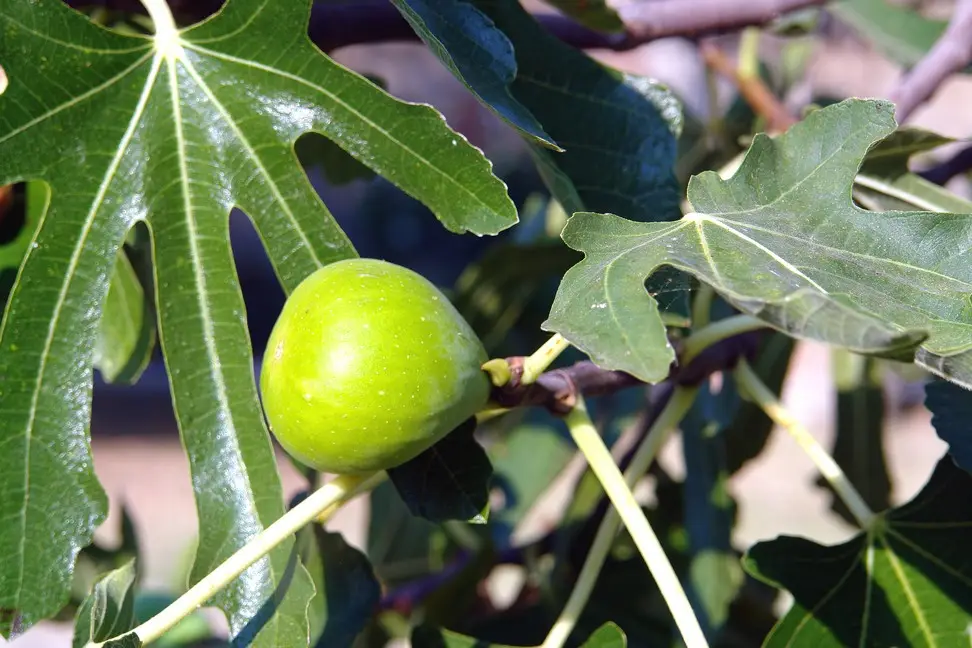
907 581
124 131
783 241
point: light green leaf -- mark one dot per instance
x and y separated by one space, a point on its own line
126 333
900 33
608 635
618 132
885 183
109 610
781 240
176 136
904 582
596 14
478 54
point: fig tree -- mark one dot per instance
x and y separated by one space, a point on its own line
368 365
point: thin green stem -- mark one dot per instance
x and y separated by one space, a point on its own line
756 389
536 363
586 437
337 491
724 328
668 419
748 66
702 306
167 41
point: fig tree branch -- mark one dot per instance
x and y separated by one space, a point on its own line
647 21
359 22
951 53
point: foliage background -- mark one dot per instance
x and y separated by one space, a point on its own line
133 430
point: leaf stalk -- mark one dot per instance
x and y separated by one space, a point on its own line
589 442
536 363
756 389
668 419
327 499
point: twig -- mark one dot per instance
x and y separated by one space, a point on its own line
951 53
752 88
675 410
589 442
338 490
662 18
335 25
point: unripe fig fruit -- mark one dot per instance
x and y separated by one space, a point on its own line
368 365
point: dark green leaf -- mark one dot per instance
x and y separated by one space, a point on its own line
427 636
781 240
900 33
449 481
885 183
715 575
124 132
906 581
401 547
618 131
525 462
607 636
478 54
347 591
951 408
596 14
859 442
315 150
109 610
493 292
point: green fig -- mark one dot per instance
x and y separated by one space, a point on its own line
368 365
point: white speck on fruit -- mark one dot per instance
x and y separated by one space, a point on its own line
598 306
307 397
278 350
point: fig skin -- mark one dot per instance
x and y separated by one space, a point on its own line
368 365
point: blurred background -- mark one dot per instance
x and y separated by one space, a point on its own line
133 430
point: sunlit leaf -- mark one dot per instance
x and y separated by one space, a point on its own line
781 240
906 581
175 131
608 635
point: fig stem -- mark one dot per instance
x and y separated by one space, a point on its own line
716 332
751 386
536 363
679 404
328 497
591 444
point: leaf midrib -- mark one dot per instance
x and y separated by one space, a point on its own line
449 180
